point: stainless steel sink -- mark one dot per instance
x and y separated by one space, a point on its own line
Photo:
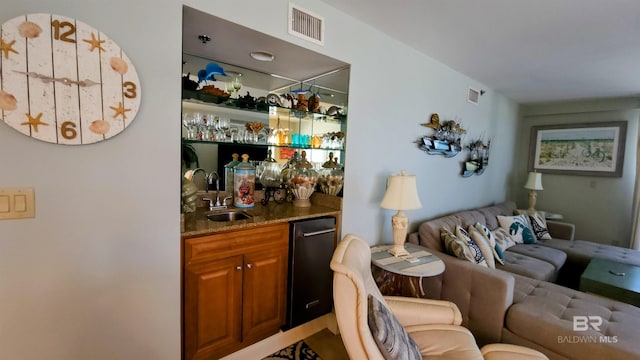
229 215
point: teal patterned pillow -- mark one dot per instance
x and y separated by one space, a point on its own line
518 227
392 339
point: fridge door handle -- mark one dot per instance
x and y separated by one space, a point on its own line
320 232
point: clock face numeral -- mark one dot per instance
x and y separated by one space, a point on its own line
63 81
68 28
68 130
130 90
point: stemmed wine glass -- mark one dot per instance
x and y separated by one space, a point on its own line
187 122
237 84
230 88
223 124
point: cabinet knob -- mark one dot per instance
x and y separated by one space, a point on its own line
238 267
249 266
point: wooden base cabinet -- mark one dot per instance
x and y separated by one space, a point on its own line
234 289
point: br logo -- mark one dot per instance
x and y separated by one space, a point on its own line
583 323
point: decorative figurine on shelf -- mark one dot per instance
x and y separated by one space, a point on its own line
302 181
447 138
478 158
331 177
301 103
271 180
314 103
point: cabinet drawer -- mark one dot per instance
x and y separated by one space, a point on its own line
231 243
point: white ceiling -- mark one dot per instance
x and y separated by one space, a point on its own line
231 44
528 50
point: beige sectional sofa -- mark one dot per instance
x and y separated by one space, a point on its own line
519 303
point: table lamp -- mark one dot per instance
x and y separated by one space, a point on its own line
534 183
402 194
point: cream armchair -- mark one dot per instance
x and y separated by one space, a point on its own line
433 325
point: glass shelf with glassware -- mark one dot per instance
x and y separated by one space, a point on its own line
280 127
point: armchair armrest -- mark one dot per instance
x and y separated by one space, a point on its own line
561 230
414 311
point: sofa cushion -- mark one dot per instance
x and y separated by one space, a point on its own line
462 246
555 257
543 313
392 339
579 251
429 231
528 266
518 227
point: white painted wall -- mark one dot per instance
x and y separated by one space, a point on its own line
600 207
96 273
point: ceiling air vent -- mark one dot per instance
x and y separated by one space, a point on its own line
306 25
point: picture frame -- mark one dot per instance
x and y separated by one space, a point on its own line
585 149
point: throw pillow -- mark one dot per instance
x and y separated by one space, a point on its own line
392 339
454 246
488 234
484 245
539 226
503 239
472 246
518 228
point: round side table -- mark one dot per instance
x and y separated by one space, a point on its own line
399 277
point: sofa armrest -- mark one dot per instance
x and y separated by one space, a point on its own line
561 230
481 294
414 311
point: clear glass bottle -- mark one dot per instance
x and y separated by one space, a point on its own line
302 182
331 176
244 175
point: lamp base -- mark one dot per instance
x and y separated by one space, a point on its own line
398 250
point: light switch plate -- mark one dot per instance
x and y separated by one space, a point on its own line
17 203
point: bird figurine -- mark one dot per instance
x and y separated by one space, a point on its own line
435 122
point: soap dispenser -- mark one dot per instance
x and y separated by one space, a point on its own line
244 182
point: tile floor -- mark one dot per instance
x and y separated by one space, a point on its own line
327 345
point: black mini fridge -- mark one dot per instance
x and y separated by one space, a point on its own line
310 288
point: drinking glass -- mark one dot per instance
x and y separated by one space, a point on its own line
230 88
188 125
237 84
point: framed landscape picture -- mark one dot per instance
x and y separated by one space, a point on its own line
590 149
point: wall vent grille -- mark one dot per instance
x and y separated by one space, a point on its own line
473 96
306 25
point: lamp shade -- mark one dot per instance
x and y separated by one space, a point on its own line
534 181
402 193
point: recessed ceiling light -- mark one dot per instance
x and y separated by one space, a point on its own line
262 55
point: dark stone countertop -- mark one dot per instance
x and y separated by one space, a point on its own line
197 224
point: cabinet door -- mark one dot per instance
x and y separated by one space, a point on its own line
265 284
213 308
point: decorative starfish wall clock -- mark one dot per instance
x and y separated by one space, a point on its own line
64 82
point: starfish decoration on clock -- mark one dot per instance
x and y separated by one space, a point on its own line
95 43
120 111
34 121
7 47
